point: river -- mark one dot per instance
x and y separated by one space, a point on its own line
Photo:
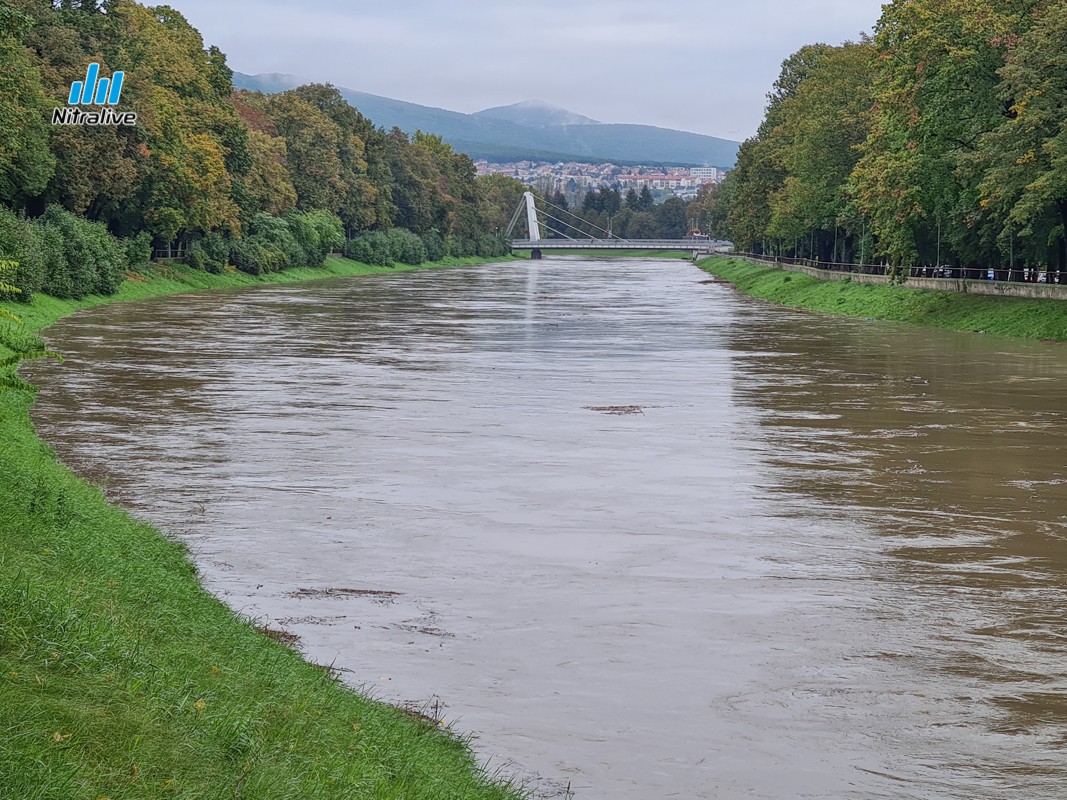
641 535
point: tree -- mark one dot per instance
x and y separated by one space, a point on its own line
934 94
26 162
643 225
420 204
499 196
313 148
266 185
359 207
707 211
671 219
762 167
645 201
823 121
1024 159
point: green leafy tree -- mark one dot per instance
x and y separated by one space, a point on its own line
762 161
823 121
672 222
707 211
313 147
934 93
26 162
1024 159
645 201
643 225
499 196
420 203
359 207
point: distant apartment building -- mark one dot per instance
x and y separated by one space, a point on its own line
707 173
575 178
658 181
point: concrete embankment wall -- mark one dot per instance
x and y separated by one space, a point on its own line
1048 291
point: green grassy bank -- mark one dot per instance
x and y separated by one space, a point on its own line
1006 316
121 678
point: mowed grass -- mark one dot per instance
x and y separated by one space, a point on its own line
121 678
1006 316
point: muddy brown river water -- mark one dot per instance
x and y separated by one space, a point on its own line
640 534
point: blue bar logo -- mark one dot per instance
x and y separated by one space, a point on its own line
93 91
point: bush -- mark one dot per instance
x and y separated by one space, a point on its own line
211 254
493 247
435 246
273 244
462 247
406 247
138 250
90 259
274 234
253 256
57 279
370 247
19 243
317 233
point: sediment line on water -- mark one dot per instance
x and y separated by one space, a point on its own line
120 676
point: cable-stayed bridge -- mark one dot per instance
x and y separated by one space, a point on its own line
572 233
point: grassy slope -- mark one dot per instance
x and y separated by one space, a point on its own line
1007 316
121 678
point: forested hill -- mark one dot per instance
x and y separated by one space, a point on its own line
507 134
240 178
941 140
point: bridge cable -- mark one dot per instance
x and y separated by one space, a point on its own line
582 234
515 217
565 236
610 235
566 224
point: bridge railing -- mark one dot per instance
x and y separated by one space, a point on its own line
614 244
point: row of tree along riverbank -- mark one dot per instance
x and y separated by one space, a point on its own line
1008 316
121 677
939 141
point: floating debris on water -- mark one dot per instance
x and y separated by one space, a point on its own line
618 410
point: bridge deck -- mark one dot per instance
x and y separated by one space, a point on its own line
686 245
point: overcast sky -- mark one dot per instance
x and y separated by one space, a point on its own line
697 65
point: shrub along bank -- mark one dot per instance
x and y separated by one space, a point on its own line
121 678
1007 316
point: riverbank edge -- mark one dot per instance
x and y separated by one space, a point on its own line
1026 318
121 677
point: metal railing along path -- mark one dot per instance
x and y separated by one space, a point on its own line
988 274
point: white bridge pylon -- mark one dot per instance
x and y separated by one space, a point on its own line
531 217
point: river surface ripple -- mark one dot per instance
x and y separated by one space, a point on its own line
824 558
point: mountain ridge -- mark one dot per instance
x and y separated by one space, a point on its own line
536 113
495 135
